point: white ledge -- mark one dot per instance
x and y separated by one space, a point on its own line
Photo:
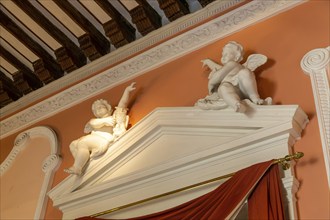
175 147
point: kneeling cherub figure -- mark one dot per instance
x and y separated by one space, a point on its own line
233 82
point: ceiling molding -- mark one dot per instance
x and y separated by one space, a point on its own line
174 48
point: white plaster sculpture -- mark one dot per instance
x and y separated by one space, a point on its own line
229 84
102 131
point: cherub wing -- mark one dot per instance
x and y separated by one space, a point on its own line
254 61
88 128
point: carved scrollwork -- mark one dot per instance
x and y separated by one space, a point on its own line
316 60
316 64
19 144
22 139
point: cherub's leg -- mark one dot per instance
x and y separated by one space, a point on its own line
81 157
231 96
248 86
73 148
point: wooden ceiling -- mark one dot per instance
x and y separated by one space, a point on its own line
43 40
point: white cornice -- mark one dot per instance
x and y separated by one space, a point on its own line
175 147
185 43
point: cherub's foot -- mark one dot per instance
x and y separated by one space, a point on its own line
257 101
240 107
73 170
268 101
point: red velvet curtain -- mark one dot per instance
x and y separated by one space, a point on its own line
266 202
259 180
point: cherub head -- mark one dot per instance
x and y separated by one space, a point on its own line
101 108
232 51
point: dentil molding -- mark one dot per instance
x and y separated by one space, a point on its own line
185 43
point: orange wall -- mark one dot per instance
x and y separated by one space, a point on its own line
285 39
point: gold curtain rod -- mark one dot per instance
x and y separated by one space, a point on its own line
284 162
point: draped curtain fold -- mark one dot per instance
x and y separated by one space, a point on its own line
259 183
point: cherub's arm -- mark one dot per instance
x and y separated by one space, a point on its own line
101 122
124 99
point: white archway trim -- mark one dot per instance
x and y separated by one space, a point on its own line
49 166
216 29
316 64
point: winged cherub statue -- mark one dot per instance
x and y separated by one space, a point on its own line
229 84
101 131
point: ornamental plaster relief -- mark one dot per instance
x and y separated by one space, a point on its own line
181 45
316 64
25 141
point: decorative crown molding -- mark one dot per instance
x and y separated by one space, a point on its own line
174 48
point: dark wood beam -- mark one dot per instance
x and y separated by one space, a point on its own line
41 72
92 38
70 57
119 30
4 97
205 2
145 17
29 76
174 9
10 88
50 63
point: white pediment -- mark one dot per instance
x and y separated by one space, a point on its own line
175 147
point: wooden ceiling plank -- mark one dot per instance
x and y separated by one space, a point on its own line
96 11
118 29
174 9
16 87
62 17
96 41
70 56
9 39
9 86
39 70
53 67
4 97
30 24
205 2
144 17
31 78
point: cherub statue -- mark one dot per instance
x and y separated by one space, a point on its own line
232 82
102 131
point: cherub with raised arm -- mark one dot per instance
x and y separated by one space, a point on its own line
102 131
233 82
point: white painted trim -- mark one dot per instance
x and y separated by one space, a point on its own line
225 137
236 20
316 64
49 166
